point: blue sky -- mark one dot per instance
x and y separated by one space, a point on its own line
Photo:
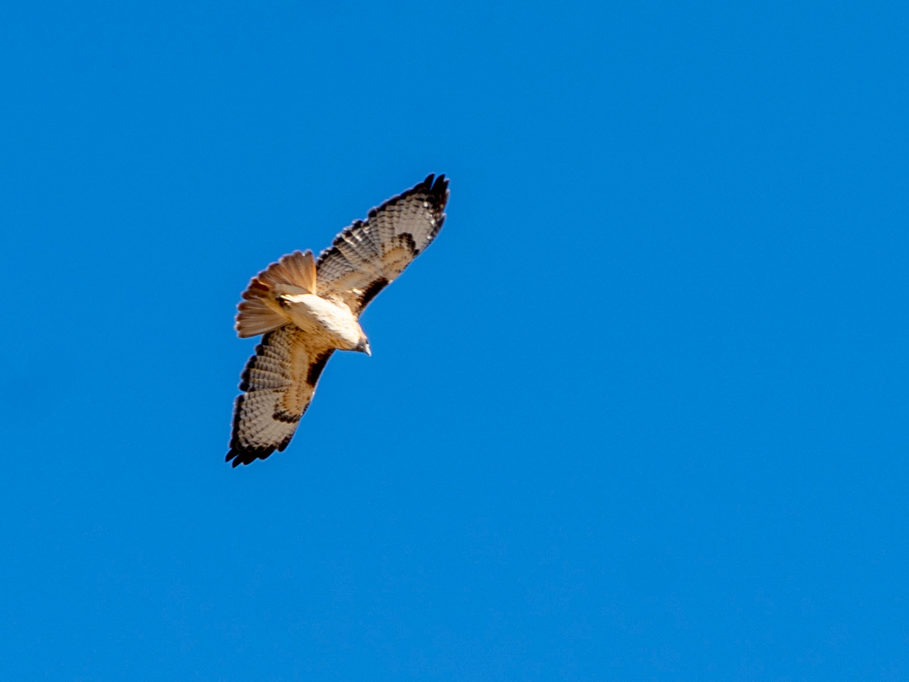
640 412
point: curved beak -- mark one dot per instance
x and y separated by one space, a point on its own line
363 347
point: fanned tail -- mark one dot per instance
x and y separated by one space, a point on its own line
260 312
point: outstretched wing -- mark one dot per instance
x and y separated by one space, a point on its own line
278 384
366 256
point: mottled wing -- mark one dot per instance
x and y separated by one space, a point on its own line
366 256
278 384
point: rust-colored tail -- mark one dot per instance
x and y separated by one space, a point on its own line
260 312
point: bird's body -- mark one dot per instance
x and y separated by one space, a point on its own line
324 321
307 309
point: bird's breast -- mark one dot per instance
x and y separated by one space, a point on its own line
323 318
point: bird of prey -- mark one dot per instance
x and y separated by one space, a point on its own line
308 308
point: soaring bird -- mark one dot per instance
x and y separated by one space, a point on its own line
308 308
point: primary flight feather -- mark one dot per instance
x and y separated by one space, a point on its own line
308 308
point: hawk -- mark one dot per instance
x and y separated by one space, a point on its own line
308 308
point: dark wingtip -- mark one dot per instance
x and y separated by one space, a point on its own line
437 188
437 192
241 455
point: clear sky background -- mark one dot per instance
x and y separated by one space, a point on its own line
640 412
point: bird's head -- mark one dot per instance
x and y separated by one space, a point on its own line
363 345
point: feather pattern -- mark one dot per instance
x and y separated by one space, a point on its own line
278 384
367 255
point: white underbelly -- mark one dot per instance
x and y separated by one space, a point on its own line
325 320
